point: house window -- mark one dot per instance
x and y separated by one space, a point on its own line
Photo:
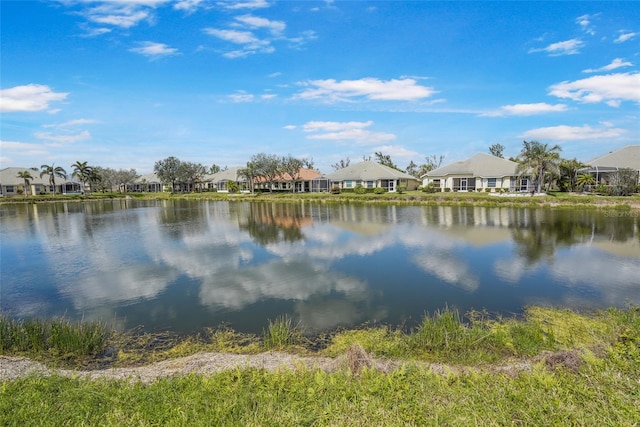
348 184
491 182
9 188
524 184
370 184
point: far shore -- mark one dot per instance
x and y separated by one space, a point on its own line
551 199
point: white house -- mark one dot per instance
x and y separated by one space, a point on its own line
478 173
603 166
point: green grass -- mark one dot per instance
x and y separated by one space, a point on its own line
52 339
282 333
602 393
600 387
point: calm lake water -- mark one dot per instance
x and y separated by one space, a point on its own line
181 265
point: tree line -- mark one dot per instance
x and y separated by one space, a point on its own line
541 162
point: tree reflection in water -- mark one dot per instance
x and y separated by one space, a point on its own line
272 223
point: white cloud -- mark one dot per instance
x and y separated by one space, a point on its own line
625 37
252 4
346 131
368 88
70 123
241 96
188 6
31 97
526 109
616 63
572 133
63 138
585 23
275 27
611 88
154 50
121 14
567 47
290 127
267 96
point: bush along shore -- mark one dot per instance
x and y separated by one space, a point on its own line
549 367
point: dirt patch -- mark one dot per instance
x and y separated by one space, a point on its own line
352 361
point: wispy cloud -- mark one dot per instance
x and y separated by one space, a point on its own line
255 35
585 23
396 151
572 133
355 132
188 6
526 110
154 50
567 47
70 123
31 97
611 89
250 43
367 88
251 4
616 63
624 36
63 138
123 14
241 96
256 22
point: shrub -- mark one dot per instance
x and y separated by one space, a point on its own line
359 189
487 190
380 190
447 190
430 188
282 333
402 188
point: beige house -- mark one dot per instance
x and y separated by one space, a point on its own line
370 174
147 183
604 166
478 173
218 181
11 185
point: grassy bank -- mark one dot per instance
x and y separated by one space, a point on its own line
409 197
599 385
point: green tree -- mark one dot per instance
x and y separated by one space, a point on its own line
249 174
536 159
168 171
53 171
497 150
82 171
385 159
569 174
343 163
431 162
291 166
191 173
584 179
624 182
267 167
26 177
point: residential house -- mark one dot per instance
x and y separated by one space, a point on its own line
218 181
478 173
604 166
11 185
307 180
370 174
147 183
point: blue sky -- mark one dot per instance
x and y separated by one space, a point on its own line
123 84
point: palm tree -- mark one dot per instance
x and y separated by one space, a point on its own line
53 171
536 159
585 179
82 171
26 176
